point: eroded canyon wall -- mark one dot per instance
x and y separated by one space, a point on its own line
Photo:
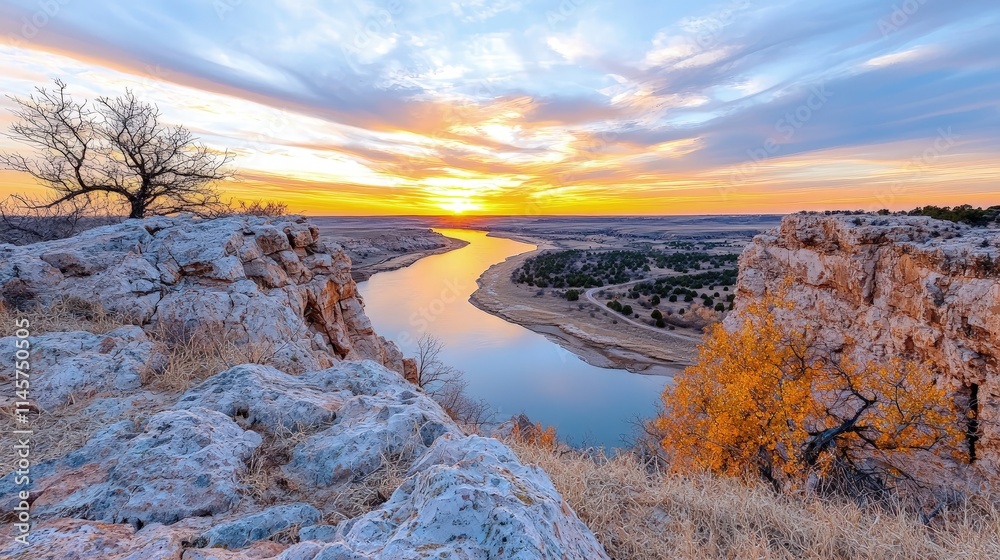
884 286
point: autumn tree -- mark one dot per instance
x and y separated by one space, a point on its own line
768 398
117 150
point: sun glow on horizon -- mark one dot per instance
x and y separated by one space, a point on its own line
507 118
460 206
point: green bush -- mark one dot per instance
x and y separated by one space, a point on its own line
964 213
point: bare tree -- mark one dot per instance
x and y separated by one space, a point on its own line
433 375
445 385
259 208
118 150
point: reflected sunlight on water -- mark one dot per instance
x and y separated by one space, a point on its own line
514 369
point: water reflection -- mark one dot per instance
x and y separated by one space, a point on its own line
514 369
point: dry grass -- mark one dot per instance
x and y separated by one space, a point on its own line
374 489
65 428
289 535
636 514
193 357
67 314
265 484
56 432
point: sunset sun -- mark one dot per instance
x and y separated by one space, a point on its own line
460 205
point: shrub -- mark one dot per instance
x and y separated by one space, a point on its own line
758 400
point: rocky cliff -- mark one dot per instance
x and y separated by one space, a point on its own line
270 283
883 286
322 453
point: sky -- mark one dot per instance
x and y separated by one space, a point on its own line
546 107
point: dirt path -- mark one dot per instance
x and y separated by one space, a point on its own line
680 336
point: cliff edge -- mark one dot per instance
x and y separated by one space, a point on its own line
319 449
884 286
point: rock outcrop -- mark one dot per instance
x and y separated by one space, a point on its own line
329 457
271 283
181 480
884 286
65 362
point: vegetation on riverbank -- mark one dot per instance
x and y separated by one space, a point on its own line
576 268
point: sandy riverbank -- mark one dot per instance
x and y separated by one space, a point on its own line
380 245
580 327
396 262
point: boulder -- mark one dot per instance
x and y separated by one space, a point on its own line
259 526
67 366
263 396
369 431
184 464
468 497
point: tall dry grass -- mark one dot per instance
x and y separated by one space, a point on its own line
637 514
195 356
63 315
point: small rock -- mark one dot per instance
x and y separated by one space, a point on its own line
259 526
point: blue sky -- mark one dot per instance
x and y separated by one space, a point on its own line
572 106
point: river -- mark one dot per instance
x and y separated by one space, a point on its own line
514 369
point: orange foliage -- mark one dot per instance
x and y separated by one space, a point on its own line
536 435
764 398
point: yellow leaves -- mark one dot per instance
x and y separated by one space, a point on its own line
536 435
765 397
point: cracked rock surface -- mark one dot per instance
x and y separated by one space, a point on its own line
269 282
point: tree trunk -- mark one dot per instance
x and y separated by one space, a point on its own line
138 209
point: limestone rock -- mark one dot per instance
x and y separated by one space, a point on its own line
265 396
468 497
75 365
65 487
893 286
259 526
185 464
270 283
369 430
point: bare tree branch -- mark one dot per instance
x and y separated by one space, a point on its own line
117 148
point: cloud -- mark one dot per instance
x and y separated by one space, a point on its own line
516 99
